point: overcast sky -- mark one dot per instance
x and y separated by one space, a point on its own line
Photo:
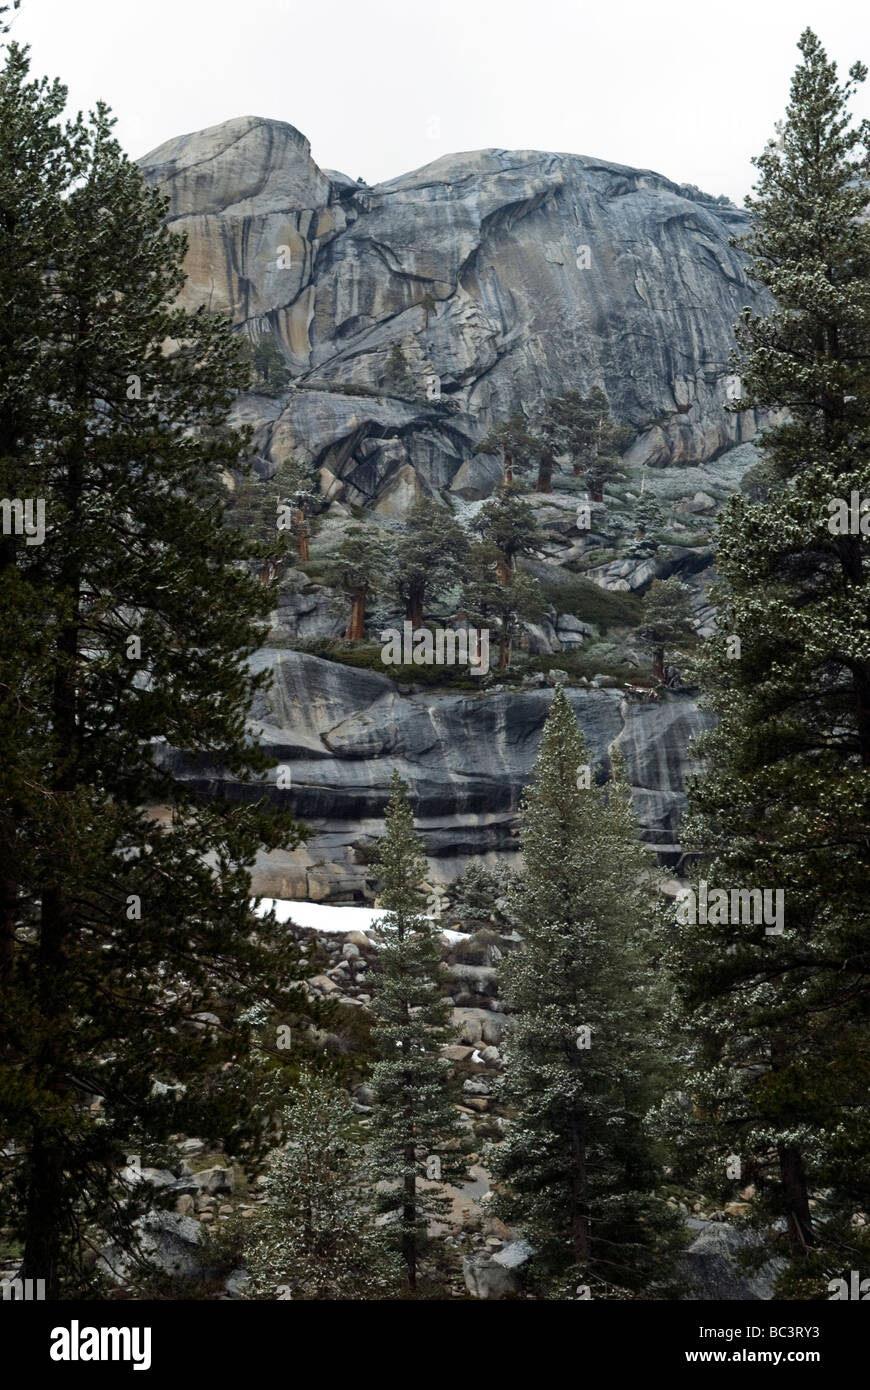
689 88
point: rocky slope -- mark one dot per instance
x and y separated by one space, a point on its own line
476 266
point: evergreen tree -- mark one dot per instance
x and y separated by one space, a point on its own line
126 926
314 1238
648 514
507 604
399 374
271 511
582 427
362 566
577 1167
40 160
777 1022
414 1120
507 525
269 368
431 549
477 898
667 619
515 442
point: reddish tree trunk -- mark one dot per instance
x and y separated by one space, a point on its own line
414 606
356 628
545 473
659 663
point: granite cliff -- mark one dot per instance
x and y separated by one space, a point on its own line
501 278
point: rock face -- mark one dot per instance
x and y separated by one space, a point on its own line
340 732
712 1269
502 276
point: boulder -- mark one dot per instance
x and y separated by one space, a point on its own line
711 1266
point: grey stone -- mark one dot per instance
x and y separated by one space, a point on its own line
486 1279
711 1269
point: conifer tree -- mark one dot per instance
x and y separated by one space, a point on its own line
362 566
515 442
315 1237
505 603
430 550
506 524
414 1124
124 926
776 1022
666 621
582 427
577 1167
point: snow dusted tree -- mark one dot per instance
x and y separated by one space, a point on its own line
577 1168
779 1045
414 1124
315 1237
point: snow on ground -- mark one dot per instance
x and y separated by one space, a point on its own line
325 917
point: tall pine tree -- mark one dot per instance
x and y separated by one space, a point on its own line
414 1120
123 926
778 1043
578 1169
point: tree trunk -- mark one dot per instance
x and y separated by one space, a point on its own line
579 1193
508 467
502 569
659 663
302 546
596 491
356 628
849 549
409 1214
46 1219
794 1184
502 653
545 472
414 607
792 1174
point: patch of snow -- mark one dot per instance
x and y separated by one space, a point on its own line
327 917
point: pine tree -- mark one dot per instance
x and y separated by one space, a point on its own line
577 1168
431 549
126 926
414 1120
399 374
666 621
515 442
40 159
362 566
582 426
777 1022
270 370
506 603
314 1237
475 896
506 523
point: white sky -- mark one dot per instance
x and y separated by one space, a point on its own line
686 87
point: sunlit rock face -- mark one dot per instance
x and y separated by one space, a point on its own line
504 276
